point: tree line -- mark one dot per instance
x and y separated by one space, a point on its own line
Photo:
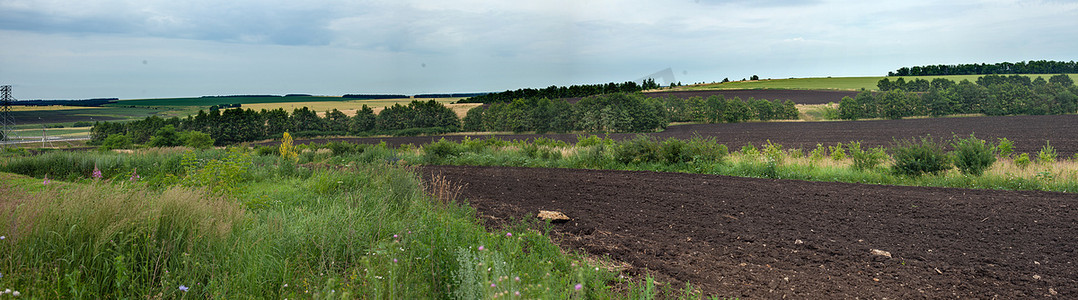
992 95
617 112
555 92
1031 67
229 126
620 112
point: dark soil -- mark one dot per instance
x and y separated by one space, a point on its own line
772 239
1028 133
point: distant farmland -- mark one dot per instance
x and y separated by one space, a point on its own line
210 101
835 83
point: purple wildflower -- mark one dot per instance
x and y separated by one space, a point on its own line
97 172
394 260
509 234
134 175
579 286
493 285
183 288
46 181
480 248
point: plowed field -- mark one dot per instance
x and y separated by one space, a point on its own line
1029 133
773 239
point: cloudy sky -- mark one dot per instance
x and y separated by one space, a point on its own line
65 49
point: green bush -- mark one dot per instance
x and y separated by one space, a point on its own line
973 156
196 139
837 152
866 159
344 148
165 137
1005 147
675 151
640 149
706 150
916 157
1047 154
818 153
1022 161
116 141
437 151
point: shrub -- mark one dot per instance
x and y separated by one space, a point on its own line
592 140
441 149
1047 154
837 152
342 148
166 137
1005 147
973 156
288 151
706 150
866 159
818 153
749 150
915 158
196 139
116 141
640 149
675 151
1022 161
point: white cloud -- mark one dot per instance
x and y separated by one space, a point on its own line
474 45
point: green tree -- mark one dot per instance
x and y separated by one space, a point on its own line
196 139
363 121
116 141
335 120
849 109
894 104
166 137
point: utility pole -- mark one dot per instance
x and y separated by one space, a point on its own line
7 121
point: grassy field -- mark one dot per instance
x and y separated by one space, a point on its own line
234 224
349 107
830 83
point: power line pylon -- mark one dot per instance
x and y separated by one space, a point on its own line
7 121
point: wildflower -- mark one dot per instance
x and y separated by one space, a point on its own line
493 285
7 291
517 278
480 248
395 236
2 237
517 293
579 286
183 288
97 172
15 293
285 285
394 260
509 234
134 175
46 181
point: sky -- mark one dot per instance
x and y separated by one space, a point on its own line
64 49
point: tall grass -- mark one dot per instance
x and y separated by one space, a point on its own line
838 163
348 229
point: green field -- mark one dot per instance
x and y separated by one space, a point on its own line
199 101
831 83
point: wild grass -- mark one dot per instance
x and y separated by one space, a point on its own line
846 162
342 226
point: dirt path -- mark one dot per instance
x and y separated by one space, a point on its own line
760 238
